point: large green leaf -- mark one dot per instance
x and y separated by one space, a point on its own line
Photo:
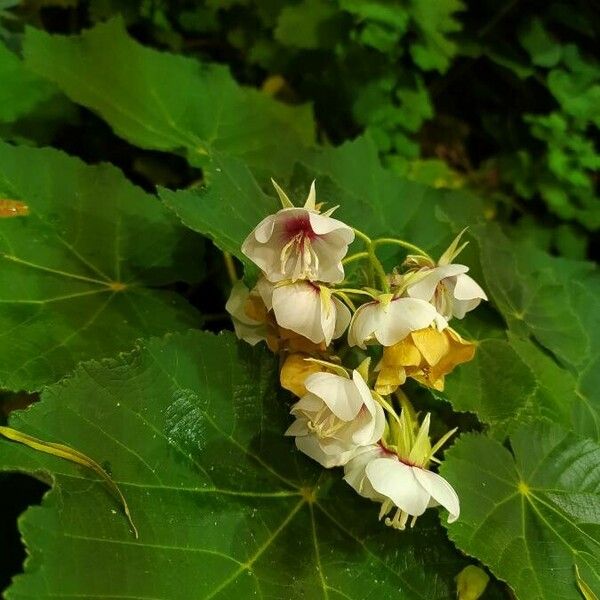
512 380
532 516
167 102
191 429
76 272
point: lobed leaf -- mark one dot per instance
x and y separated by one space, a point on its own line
532 516
167 102
191 430
78 271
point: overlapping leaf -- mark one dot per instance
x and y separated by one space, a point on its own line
21 90
191 430
532 517
168 102
76 272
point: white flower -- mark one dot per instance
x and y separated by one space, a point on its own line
335 417
445 285
389 320
299 243
246 328
381 476
307 309
397 475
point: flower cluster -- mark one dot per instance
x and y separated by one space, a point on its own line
351 415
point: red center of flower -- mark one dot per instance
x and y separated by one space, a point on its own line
299 226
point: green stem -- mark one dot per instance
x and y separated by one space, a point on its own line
376 266
363 236
354 257
230 265
347 300
353 291
407 245
379 270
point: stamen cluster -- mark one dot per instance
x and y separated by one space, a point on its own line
348 414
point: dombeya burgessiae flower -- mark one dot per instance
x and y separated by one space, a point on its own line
247 327
446 285
395 472
427 355
389 320
299 243
336 416
308 309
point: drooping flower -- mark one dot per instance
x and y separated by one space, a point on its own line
444 284
427 355
395 473
389 320
248 316
335 417
299 243
307 309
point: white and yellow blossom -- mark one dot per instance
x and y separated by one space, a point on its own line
445 284
306 308
336 417
389 320
247 328
299 243
395 472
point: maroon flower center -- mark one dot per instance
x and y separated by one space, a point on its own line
299 226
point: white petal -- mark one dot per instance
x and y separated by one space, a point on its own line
404 315
265 289
440 490
308 403
342 319
396 481
354 471
340 394
298 427
323 225
236 304
425 288
297 307
311 447
468 289
367 319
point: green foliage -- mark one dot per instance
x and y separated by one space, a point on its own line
77 272
539 504
165 102
21 90
190 429
189 425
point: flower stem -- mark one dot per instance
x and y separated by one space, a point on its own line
353 291
376 266
354 257
230 266
379 270
347 300
407 245
363 236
